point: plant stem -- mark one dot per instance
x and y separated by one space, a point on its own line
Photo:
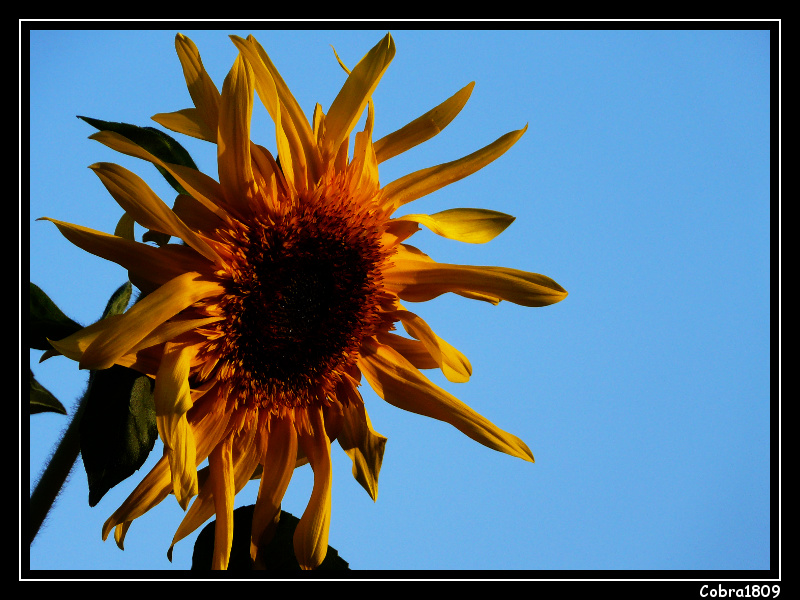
56 473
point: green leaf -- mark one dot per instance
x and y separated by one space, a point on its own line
119 300
47 320
154 141
278 555
118 428
42 400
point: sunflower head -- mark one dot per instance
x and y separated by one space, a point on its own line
285 288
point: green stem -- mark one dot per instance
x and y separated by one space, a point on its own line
57 471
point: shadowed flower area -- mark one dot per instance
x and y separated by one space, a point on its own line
285 292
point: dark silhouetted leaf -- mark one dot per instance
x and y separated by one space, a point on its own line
278 555
47 320
118 428
42 400
156 142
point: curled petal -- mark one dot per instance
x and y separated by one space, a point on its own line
173 400
397 381
471 225
455 366
311 535
362 444
278 465
204 93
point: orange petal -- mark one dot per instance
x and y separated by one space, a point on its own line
362 444
423 182
397 381
351 100
421 280
423 128
220 464
278 465
311 535
233 139
147 314
138 200
204 93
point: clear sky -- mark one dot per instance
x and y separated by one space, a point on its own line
641 186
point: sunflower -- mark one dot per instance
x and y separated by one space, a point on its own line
284 292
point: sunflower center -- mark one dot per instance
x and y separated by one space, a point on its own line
302 295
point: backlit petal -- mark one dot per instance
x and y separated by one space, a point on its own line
278 465
311 535
348 105
204 93
187 121
173 400
422 128
142 203
395 380
220 464
233 139
423 182
145 316
419 281
363 445
471 225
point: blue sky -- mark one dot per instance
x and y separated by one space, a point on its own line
641 186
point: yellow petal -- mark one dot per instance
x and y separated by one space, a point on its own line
151 491
147 314
311 535
220 464
187 121
137 199
233 138
173 400
471 225
199 185
362 444
419 281
423 182
204 93
124 228
143 262
424 127
395 380
209 420
364 167
292 110
348 105
278 465
413 351
245 456
75 345
290 147
455 366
